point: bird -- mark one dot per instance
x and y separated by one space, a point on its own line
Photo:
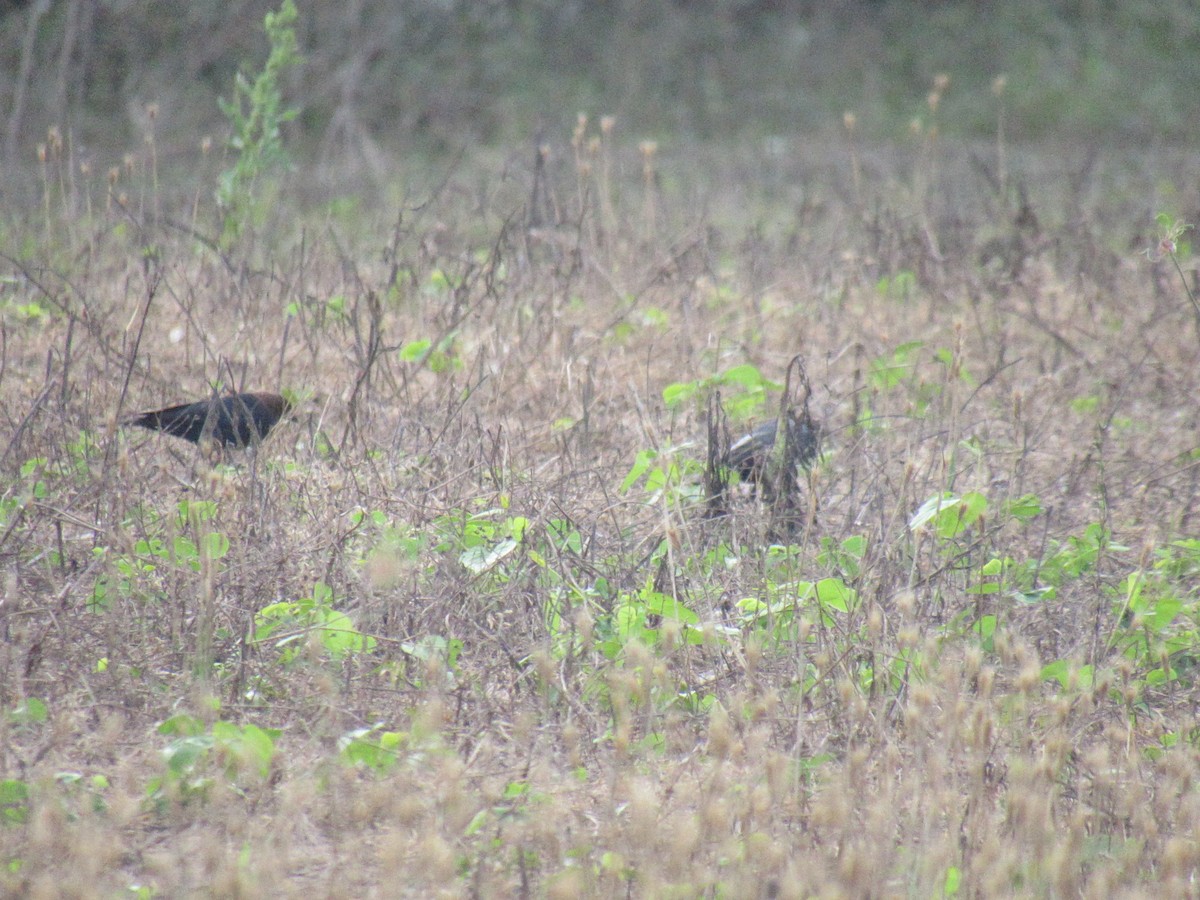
235 420
748 455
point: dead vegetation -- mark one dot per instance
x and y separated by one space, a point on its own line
435 639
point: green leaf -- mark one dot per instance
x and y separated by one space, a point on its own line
676 394
515 789
182 724
953 882
985 628
931 508
14 801
746 375
856 546
481 559
1025 507
630 620
833 593
216 545
888 372
951 515
517 526
1165 610
182 755
370 747
30 711
668 607
477 823
414 351
972 507
256 745
641 465
1059 671
340 637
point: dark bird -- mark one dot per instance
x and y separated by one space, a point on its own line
749 454
236 420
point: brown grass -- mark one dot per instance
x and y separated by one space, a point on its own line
885 751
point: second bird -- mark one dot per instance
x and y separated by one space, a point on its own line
236 420
749 454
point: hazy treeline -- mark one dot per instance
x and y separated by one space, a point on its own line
442 73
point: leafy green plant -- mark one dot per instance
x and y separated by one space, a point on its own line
370 748
31 313
30 711
128 577
141 574
379 749
890 371
14 801
285 625
29 488
844 556
518 800
197 756
744 391
1157 615
482 539
792 606
373 747
1069 676
1076 556
569 585
641 615
949 515
90 790
440 357
256 114
785 605
640 320
668 475
899 287
487 543
887 373
80 454
494 546
394 548
434 648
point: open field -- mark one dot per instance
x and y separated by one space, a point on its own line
462 626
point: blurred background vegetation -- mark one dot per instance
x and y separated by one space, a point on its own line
429 78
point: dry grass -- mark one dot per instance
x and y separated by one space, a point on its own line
899 748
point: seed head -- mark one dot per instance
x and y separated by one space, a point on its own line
720 732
